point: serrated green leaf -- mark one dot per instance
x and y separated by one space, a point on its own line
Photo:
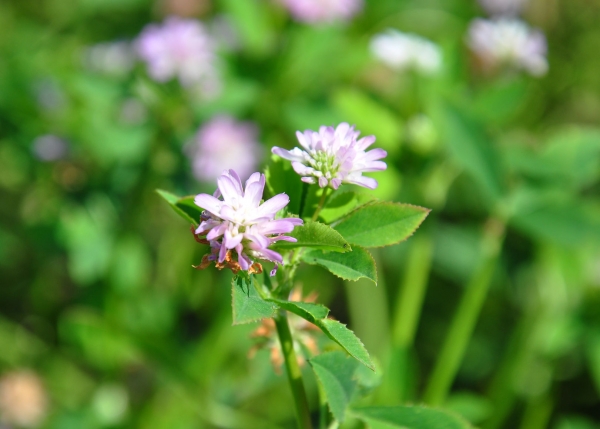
247 305
381 224
409 417
316 314
343 203
317 236
346 338
183 206
335 371
349 266
281 177
306 310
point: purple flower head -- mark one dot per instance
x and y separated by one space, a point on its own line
334 156
224 142
234 220
317 11
182 49
508 42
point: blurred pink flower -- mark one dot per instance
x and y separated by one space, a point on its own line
316 11
182 49
508 42
235 219
224 143
333 156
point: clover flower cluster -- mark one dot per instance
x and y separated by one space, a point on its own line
404 51
318 11
182 49
224 143
235 220
333 156
508 42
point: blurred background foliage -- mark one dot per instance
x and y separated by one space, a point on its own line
104 323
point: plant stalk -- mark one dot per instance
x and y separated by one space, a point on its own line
293 371
321 204
466 316
414 284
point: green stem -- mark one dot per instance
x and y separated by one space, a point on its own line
537 413
414 284
323 408
407 312
293 371
321 204
466 316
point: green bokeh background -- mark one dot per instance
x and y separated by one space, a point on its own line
97 293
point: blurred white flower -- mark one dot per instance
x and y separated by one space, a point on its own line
224 143
49 147
111 58
508 42
182 49
317 11
23 400
503 7
403 51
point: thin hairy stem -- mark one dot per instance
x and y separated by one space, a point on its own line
293 371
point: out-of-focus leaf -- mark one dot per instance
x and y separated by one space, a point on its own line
593 355
316 314
104 347
501 101
370 117
349 266
564 221
131 264
381 224
281 178
86 233
342 203
474 408
19 345
252 21
471 148
183 206
409 417
247 305
570 158
335 372
316 236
